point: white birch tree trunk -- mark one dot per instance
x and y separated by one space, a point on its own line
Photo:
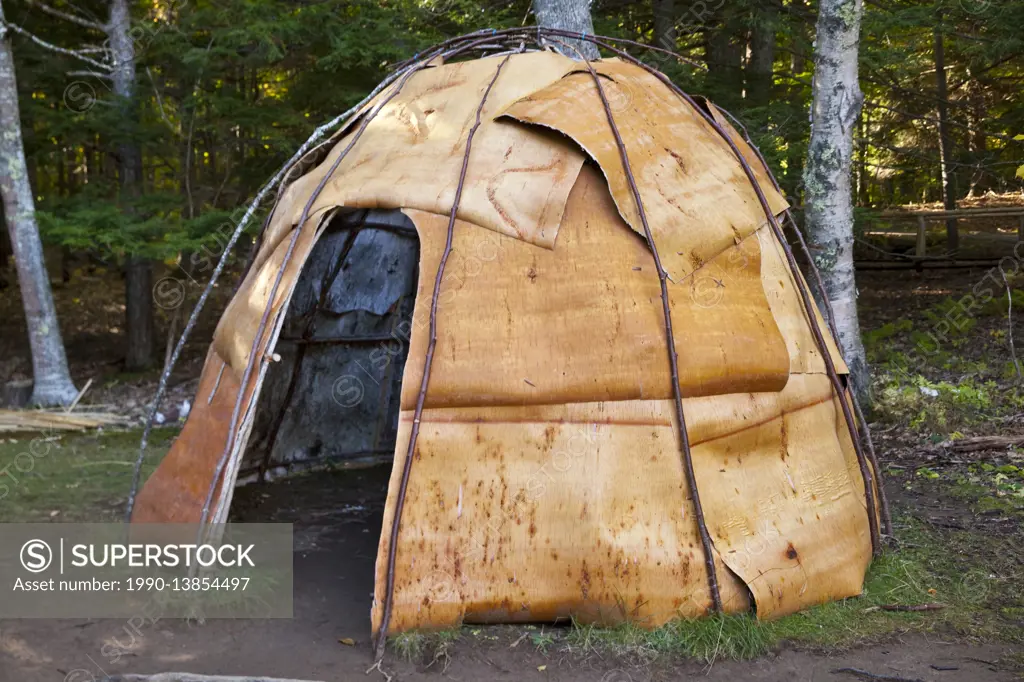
52 381
828 200
568 15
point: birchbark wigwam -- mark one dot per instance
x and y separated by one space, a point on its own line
51 379
828 197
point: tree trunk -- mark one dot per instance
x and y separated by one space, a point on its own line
796 149
762 56
828 199
799 40
724 55
665 24
864 196
945 143
52 381
138 272
977 139
568 15
138 291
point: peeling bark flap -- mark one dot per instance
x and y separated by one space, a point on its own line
410 154
697 199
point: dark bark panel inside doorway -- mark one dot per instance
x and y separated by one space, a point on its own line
334 395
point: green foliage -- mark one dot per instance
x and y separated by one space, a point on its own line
227 90
1005 481
950 313
877 342
935 405
155 229
998 306
542 640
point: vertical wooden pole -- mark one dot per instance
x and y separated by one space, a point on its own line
922 244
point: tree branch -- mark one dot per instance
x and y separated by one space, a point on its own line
50 46
52 11
88 74
974 444
160 104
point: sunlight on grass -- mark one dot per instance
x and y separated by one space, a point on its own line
72 477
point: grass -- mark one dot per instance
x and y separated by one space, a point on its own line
972 576
72 477
426 647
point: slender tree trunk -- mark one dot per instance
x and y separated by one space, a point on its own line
977 139
864 196
762 56
665 24
828 198
799 38
724 54
52 381
138 271
568 15
796 149
945 142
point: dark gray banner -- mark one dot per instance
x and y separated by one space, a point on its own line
96 570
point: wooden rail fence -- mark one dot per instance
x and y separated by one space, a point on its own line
924 217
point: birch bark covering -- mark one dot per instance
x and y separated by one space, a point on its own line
568 15
49 364
828 198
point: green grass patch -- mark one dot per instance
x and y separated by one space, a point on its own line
72 477
931 567
990 488
425 647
